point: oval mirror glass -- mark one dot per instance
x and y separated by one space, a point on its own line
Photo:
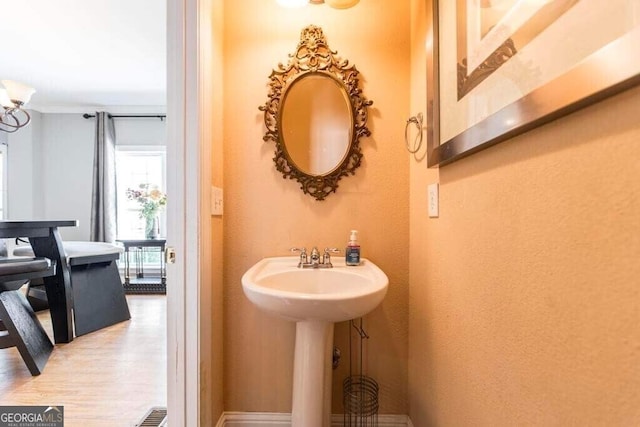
316 123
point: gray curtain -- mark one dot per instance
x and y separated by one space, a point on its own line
103 200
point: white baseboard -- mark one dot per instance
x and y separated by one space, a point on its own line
271 419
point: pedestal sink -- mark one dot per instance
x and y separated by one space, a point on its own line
315 299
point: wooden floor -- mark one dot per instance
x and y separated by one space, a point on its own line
110 377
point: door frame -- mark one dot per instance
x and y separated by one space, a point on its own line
183 230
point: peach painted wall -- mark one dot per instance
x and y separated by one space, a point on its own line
217 254
524 295
211 249
265 215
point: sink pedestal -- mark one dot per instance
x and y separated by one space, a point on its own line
312 370
315 299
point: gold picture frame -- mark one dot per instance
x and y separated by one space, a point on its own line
551 63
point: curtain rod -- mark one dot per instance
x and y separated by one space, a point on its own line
130 116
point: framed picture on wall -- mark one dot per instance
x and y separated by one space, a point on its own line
498 68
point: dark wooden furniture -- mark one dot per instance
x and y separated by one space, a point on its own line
21 328
141 282
98 296
46 243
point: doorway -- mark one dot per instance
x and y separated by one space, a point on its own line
184 178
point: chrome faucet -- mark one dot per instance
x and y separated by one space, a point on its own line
315 257
314 260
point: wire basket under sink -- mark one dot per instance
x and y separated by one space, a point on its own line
360 400
360 392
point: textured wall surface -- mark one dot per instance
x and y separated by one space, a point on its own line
524 296
211 249
265 215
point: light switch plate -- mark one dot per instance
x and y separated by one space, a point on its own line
432 200
216 201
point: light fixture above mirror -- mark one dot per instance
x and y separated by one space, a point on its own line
336 4
340 4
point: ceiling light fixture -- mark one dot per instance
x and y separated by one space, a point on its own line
13 97
341 4
336 4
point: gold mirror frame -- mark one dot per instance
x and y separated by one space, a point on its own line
313 55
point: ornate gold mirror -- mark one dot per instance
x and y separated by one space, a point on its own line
315 114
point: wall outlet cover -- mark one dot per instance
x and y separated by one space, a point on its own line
216 201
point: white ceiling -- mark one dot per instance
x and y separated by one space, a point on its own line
81 54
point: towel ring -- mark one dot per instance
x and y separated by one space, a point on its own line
417 142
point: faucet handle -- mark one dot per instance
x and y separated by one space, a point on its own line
326 257
303 255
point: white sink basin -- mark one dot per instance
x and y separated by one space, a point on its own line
315 299
278 286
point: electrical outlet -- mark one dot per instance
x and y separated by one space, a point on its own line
216 201
432 200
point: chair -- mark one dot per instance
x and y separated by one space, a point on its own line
19 325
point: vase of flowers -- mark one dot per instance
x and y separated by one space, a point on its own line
151 201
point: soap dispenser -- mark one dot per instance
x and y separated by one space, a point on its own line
352 252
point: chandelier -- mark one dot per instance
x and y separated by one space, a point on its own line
13 97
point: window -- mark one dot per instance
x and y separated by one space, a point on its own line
134 166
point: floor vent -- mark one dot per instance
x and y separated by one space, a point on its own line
156 417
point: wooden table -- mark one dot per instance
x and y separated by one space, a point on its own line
46 242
